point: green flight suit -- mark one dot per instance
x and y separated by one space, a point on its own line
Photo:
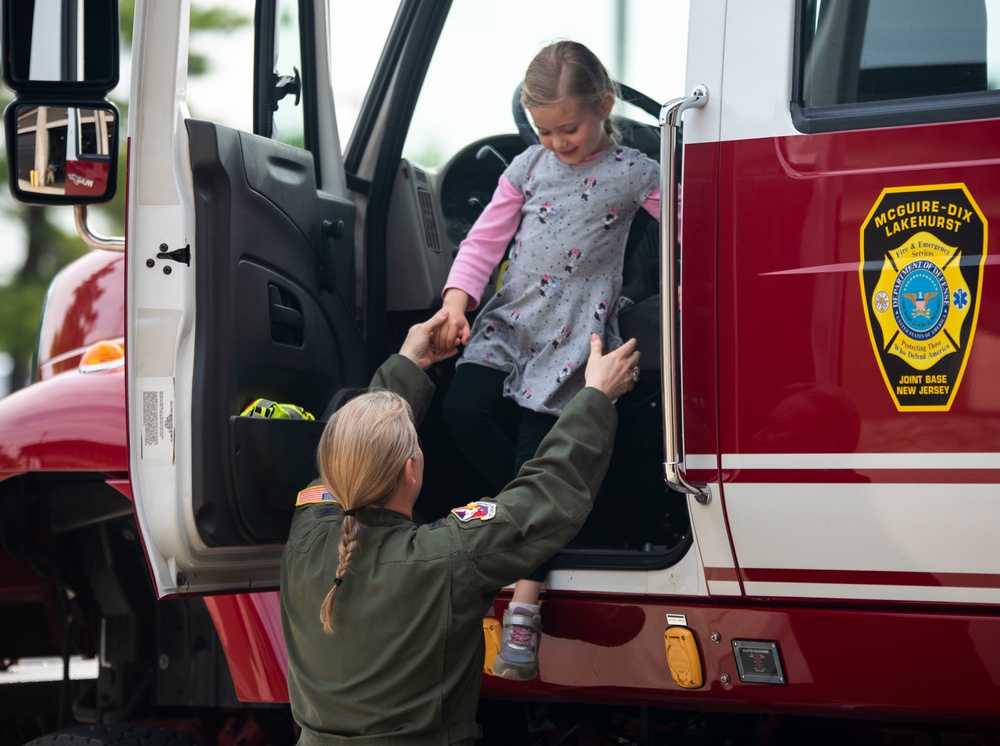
404 665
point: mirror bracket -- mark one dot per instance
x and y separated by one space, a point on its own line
92 239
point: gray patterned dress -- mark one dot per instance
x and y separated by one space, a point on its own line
565 272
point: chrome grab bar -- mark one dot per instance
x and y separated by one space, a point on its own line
670 121
92 239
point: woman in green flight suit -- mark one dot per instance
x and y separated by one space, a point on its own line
383 618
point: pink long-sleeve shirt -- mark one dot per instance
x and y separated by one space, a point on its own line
484 246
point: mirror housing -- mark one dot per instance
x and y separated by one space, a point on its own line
61 59
62 155
60 46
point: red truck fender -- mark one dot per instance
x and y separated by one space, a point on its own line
71 422
251 623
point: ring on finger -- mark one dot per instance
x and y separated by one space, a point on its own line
635 375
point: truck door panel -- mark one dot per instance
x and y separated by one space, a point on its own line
700 364
266 326
240 286
835 486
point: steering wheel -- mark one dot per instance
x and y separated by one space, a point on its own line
636 134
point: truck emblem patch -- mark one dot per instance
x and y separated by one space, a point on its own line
484 511
923 249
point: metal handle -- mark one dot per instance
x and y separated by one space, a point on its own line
670 121
95 240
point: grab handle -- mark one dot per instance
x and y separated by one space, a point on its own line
670 122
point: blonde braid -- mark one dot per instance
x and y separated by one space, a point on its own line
348 541
362 459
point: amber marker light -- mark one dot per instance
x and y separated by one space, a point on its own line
103 356
492 633
683 657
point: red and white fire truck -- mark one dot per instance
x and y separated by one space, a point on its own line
802 510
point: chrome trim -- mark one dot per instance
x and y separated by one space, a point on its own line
670 121
95 240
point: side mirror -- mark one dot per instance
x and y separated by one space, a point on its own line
62 155
66 46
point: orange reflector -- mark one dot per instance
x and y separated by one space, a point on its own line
102 356
493 633
683 657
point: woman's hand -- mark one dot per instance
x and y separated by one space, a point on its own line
456 330
418 345
615 373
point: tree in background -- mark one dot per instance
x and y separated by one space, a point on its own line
47 248
50 241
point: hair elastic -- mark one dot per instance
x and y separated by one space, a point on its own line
351 512
337 582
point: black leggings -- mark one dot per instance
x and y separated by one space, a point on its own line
474 409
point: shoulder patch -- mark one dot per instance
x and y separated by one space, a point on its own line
480 509
313 494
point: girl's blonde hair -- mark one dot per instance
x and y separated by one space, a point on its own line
362 459
569 70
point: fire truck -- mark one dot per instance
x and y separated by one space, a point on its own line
800 516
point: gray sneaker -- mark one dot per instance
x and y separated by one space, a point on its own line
518 656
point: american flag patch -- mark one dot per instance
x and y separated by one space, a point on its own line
315 494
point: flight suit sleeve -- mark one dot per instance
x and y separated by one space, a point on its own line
546 504
402 376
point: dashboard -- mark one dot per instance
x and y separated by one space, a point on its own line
431 213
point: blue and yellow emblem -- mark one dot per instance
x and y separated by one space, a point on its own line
923 249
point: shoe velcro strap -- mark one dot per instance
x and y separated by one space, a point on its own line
524 620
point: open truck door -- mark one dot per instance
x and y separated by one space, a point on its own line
250 276
240 286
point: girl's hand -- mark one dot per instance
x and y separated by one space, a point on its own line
455 330
418 345
615 373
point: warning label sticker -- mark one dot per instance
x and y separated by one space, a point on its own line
157 443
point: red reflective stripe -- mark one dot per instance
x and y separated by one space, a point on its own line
872 577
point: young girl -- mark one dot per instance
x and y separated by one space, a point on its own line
567 203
